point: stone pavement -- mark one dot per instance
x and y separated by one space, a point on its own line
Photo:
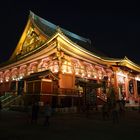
16 126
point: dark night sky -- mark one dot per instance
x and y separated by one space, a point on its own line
114 28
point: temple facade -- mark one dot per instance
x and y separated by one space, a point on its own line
53 64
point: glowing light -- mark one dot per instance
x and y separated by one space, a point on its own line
69 71
137 78
83 74
18 79
121 74
51 69
108 79
77 73
55 70
100 77
47 80
21 77
121 79
88 75
64 70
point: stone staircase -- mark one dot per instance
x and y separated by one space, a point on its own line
9 99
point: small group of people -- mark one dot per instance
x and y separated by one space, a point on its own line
114 110
35 109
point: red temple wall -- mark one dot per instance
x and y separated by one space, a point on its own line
67 81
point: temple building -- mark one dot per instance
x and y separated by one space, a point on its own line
53 64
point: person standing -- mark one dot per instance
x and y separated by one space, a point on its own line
48 113
0 105
35 111
115 113
0 108
105 111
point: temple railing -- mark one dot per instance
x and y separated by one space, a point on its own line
68 92
102 96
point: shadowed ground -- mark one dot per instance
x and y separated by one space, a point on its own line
16 126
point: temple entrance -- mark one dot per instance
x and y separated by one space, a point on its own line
13 86
122 93
138 87
131 87
20 87
17 87
89 88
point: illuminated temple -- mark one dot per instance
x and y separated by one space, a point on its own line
53 64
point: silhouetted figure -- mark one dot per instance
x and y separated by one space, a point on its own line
122 107
105 111
0 108
28 110
48 113
115 113
139 106
35 111
87 109
0 105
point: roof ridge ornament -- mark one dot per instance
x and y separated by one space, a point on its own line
126 57
58 28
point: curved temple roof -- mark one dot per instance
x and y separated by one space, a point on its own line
50 29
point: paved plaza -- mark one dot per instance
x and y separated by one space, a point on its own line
16 126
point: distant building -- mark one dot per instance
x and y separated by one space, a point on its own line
53 64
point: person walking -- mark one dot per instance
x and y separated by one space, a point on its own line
105 111
48 113
115 113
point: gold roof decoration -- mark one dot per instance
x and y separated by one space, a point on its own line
39 31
